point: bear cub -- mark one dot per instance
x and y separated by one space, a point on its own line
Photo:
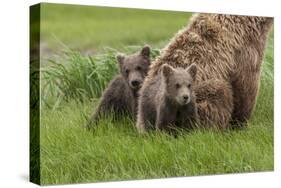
168 100
121 95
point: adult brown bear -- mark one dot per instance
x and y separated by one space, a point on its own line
228 51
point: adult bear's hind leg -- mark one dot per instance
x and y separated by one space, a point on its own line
245 84
245 96
214 101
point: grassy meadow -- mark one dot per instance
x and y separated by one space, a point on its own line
90 29
73 80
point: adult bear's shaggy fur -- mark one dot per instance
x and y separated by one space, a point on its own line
228 51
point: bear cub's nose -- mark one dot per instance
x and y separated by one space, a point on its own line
185 97
135 83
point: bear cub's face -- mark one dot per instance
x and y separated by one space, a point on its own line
178 83
134 67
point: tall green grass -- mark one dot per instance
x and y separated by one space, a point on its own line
115 151
74 76
78 77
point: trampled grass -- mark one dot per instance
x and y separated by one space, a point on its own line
71 154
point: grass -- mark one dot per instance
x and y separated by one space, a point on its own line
91 28
71 154
74 76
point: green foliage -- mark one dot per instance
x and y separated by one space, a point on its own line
77 77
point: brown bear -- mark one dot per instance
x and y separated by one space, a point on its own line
121 95
167 101
228 51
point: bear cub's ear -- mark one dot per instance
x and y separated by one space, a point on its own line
167 70
192 70
145 52
120 58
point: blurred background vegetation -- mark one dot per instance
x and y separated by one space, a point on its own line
90 29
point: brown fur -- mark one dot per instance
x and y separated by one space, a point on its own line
168 100
121 95
214 96
227 50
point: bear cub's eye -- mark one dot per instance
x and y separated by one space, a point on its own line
138 68
189 85
127 71
178 85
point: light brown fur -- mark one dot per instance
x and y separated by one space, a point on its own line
168 101
228 51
